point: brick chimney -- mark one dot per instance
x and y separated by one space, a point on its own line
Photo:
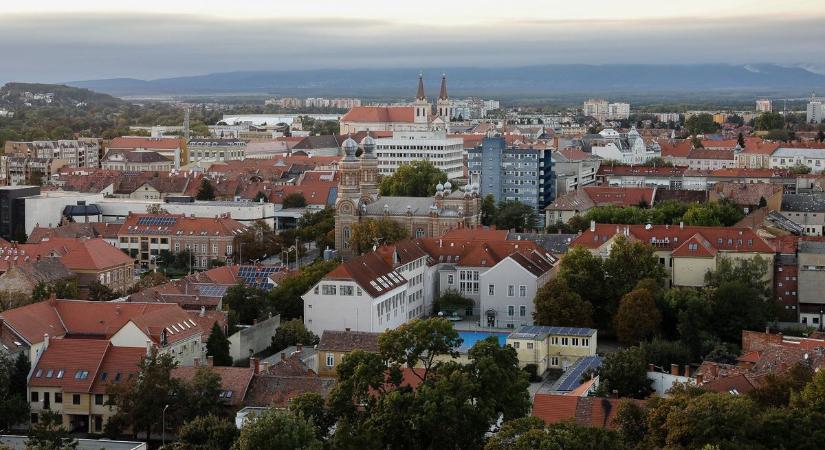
255 364
687 370
52 299
699 379
674 369
45 341
210 361
265 367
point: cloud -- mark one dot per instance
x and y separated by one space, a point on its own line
50 48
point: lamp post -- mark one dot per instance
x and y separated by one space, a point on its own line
163 426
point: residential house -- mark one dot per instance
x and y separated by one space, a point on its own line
552 347
582 200
749 195
582 410
811 282
136 161
171 148
335 345
572 169
25 277
625 148
235 381
208 151
807 210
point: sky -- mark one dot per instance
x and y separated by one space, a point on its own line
58 40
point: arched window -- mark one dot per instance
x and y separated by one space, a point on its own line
346 236
419 233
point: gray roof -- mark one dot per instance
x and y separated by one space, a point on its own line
803 202
540 332
787 152
81 210
419 206
572 378
553 243
811 247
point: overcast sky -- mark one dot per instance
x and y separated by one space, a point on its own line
58 40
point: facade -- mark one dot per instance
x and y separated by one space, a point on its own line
136 161
579 202
552 347
708 159
358 199
763 106
786 157
436 147
13 210
686 252
513 173
417 116
573 168
618 111
596 108
507 289
171 148
71 377
73 152
625 148
815 112
145 236
811 274
23 170
215 150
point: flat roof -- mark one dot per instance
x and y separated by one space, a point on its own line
531 332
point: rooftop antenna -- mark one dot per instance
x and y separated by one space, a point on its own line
186 123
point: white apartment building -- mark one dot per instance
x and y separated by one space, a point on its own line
618 111
627 148
815 111
784 157
84 152
405 147
216 150
764 105
597 108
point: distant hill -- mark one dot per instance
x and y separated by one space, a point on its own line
532 80
14 95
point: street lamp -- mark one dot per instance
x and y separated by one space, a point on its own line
163 426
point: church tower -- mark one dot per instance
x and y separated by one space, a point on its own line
369 171
443 106
349 193
422 106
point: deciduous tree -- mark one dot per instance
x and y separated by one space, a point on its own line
638 318
558 305
417 179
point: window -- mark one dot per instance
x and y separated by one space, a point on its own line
511 310
491 289
522 291
328 289
515 344
522 311
585 342
98 399
330 359
575 342
529 346
75 399
58 397
565 341
346 290
554 360
450 279
35 397
511 290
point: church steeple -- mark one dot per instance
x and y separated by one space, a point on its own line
443 94
420 95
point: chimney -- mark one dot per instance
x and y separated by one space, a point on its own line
255 364
681 225
197 362
45 341
347 329
265 367
283 356
300 347
210 361
650 368
593 225
687 370
203 311
699 379
674 369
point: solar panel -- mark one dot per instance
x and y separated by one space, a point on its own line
572 378
157 221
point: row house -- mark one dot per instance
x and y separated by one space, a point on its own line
136 161
787 157
164 327
707 159
397 283
686 252
23 170
216 150
145 236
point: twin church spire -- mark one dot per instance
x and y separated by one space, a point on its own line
423 109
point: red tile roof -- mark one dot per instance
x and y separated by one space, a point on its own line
76 254
587 411
672 237
625 170
182 225
234 380
620 196
703 153
746 172
374 114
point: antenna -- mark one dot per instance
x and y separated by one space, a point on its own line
186 123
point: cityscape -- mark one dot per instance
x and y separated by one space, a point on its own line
247 227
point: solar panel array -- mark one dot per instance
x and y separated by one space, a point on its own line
572 378
566 331
164 221
212 290
258 276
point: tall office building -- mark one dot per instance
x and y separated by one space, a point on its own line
513 173
13 210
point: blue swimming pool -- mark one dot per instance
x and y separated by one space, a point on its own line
471 337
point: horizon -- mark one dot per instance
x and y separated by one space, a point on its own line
90 40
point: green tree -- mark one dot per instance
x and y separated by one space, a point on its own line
312 406
369 232
260 197
663 353
420 343
820 136
496 370
513 214
290 333
256 241
140 400
717 419
638 318
50 434
812 396
631 422
740 140
100 292
451 301
558 305
14 407
531 434
286 299
700 124
488 210
276 429
769 121
417 179
294 200
583 272
206 191
245 304
201 395
625 372
318 227
775 390
206 432
217 346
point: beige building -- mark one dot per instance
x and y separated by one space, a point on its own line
552 347
335 345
